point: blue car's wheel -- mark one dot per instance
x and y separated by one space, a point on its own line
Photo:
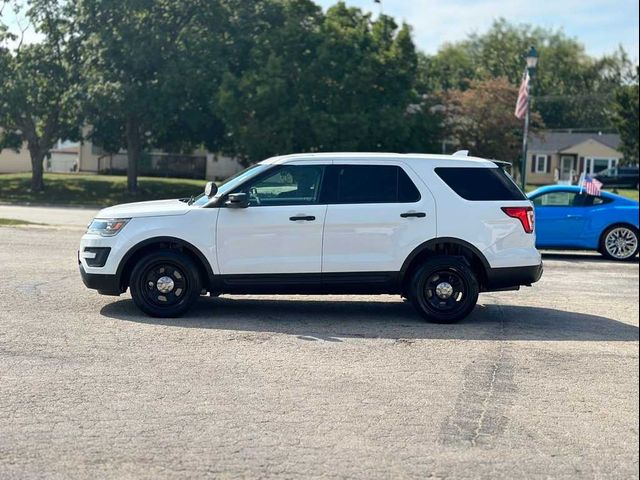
619 242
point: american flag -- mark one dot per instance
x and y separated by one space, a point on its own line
523 97
592 186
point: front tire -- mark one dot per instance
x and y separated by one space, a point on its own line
444 289
165 283
619 242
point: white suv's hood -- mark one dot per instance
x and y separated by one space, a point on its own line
156 208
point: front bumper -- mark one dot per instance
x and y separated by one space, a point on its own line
104 284
512 277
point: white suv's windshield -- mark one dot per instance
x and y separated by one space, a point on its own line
231 183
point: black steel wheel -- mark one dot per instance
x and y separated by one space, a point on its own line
444 289
165 283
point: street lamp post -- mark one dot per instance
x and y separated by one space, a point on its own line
532 64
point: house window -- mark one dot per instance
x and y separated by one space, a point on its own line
96 150
541 164
595 165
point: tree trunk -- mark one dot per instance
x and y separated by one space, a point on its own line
37 178
134 149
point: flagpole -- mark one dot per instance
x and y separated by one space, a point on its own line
525 141
379 2
530 70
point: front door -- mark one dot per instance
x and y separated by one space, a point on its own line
566 170
281 230
560 218
376 217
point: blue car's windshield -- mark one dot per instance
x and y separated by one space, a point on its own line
232 182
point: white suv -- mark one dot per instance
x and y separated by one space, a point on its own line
436 229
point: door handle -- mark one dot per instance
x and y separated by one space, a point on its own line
573 217
413 214
306 218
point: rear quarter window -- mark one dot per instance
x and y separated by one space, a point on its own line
480 183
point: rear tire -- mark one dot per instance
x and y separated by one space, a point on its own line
444 289
619 242
165 283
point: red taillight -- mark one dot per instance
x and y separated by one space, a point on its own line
524 214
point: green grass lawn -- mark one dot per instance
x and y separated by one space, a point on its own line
81 190
631 193
12 222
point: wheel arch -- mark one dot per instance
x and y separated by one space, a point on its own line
123 273
614 225
446 246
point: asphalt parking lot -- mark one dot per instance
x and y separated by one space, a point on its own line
541 383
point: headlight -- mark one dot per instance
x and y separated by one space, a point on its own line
107 227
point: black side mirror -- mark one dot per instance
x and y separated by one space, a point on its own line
210 189
237 200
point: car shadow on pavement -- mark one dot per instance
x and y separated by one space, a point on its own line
582 256
331 320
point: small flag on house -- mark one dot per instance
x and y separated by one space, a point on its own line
591 186
523 96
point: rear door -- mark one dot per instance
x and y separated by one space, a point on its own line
377 214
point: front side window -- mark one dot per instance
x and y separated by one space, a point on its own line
372 184
287 185
559 199
569 199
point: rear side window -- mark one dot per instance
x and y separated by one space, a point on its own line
371 184
480 184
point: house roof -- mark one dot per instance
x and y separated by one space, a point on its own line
556 141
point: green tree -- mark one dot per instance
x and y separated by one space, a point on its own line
571 89
267 97
369 72
150 69
322 82
625 118
38 86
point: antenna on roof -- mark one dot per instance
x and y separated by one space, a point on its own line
461 153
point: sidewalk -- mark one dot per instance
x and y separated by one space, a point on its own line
62 216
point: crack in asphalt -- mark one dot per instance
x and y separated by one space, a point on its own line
480 408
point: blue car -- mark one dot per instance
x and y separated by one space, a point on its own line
567 218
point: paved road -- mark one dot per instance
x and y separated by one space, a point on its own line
68 217
541 383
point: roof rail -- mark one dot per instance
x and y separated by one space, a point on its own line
461 153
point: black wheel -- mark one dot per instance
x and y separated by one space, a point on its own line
619 242
444 289
165 283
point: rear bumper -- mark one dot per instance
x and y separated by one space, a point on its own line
512 277
104 284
